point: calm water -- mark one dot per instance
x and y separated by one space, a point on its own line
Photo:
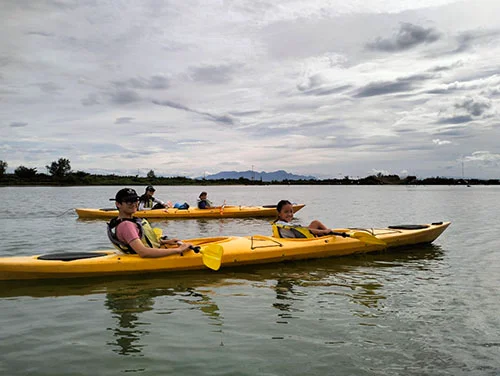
423 311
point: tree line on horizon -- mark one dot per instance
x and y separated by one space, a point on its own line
59 173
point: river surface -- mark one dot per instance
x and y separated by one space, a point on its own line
431 310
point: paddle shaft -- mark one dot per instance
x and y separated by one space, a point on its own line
364 237
343 234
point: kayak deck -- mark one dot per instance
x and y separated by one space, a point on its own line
172 213
237 251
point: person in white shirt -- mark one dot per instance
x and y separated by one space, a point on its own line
148 202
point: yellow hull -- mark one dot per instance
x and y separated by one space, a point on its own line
172 213
256 249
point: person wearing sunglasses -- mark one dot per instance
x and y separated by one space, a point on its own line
135 235
148 202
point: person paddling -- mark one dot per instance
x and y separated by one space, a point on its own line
135 235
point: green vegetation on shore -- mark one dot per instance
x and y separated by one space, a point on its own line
59 173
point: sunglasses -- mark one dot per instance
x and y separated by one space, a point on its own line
131 201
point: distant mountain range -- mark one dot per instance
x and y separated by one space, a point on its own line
279 175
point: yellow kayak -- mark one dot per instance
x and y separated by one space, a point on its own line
219 252
172 213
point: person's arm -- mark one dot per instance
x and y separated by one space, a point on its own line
319 232
158 201
318 228
138 246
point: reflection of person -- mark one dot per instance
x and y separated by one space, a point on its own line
135 235
282 225
131 300
126 306
147 201
203 202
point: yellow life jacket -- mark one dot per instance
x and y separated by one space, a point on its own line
147 234
290 231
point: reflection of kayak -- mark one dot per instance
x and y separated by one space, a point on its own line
256 249
171 213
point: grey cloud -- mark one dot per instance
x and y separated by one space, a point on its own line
214 74
408 36
125 97
441 68
317 85
17 124
155 82
455 119
326 90
455 131
405 130
246 113
227 119
48 87
387 87
331 126
5 61
493 92
467 39
124 120
475 107
464 42
446 90
40 33
168 103
90 100
313 81
468 110
382 88
219 118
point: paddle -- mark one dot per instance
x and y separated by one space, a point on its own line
211 255
362 236
222 208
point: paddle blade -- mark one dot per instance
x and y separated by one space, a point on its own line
367 238
212 255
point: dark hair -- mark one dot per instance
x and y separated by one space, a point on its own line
281 204
202 193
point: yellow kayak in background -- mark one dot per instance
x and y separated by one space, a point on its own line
172 213
226 251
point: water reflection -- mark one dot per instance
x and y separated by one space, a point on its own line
201 300
364 280
129 304
361 279
126 306
285 295
130 299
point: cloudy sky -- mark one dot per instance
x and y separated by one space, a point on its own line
319 87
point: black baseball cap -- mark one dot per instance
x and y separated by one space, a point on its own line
125 194
150 188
